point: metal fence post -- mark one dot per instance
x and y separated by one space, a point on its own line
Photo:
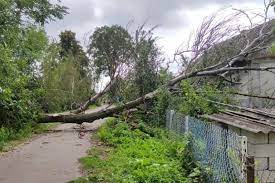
186 123
250 169
244 156
172 112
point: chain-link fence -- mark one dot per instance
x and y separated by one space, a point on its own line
221 150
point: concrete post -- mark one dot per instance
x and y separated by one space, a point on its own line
186 123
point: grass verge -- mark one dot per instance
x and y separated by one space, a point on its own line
10 138
138 154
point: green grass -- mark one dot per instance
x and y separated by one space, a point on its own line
93 106
10 137
139 154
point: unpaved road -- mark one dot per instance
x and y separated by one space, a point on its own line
49 158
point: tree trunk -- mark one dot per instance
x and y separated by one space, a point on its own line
90 117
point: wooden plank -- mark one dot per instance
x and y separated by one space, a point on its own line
237 124
264 128
265 150
263 119
241 123
236 121
255 111
250 118
250 169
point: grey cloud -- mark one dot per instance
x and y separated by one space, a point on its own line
163 12
157 12
80 13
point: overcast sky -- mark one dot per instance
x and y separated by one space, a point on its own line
175 17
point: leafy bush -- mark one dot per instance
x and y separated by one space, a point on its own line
198 101
133 155
17 103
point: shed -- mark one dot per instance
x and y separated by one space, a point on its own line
259 84
259 128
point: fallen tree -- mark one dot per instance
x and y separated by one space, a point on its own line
90 117
207 36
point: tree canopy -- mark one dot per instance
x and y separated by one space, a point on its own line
70 47
110 47
22 45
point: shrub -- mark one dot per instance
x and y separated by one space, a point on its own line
195 101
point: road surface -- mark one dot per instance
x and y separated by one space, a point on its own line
49 158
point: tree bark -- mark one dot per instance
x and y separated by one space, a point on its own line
90 117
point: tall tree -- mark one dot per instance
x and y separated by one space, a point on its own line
110 49
66 76
40 11
70 47
147 58
211 33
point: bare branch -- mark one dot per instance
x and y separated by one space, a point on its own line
94 98
255 96
216 72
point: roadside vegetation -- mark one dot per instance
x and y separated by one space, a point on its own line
10 138
22 46
136 152
36 75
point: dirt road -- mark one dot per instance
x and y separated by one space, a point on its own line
50 158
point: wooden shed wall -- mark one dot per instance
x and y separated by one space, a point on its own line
258 83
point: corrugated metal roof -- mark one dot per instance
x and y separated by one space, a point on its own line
252 122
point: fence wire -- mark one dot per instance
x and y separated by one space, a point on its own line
221 150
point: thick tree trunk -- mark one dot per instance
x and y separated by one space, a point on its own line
90 117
